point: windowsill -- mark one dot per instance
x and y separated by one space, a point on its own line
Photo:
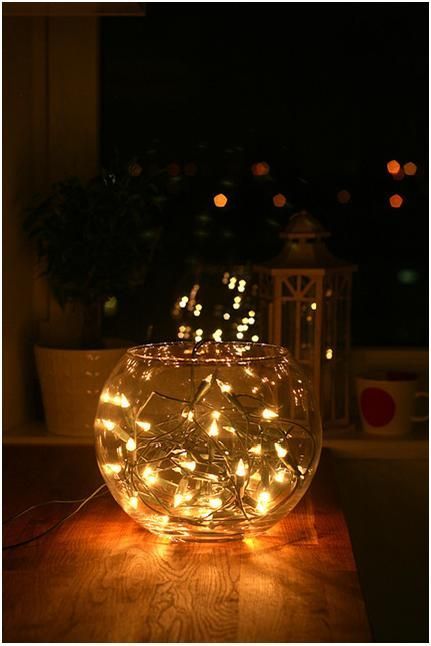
352 444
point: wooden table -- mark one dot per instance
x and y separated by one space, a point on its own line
101 578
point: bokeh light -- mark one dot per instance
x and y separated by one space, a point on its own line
173 169
410 168
393 167
399 176
408 276
260 169
220 200
190 169
279 200
396 201
343 197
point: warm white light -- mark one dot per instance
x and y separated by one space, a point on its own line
108 424
263 501
269 414
199 332
241 288
131 444
215 414
231 286
240 335
256 450
279 476
240 469
112 468
237 299
226 316
313 306
196 313
252 313
133 501
190 465
255 338
329 353
281 452
149 475
236 306
198 339
264 497
229 429
183 304
224 387
105 397
213 431
124 402
145 426
215 503
251 321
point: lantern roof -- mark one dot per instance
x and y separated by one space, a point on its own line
304 247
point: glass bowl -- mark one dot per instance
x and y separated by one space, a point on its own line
214 441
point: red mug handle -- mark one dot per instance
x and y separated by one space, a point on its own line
421 418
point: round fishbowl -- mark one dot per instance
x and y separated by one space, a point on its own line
214 441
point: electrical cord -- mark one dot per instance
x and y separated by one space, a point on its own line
83 502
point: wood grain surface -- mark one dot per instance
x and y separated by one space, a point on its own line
101 578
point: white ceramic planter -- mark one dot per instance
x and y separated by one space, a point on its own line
71 382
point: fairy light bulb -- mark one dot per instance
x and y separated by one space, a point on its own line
149 475
215 414
240 469
224 387
269 414
112 468
214 429
256 450
108 424
131 444
255 338
263 501
279 476
215 503
226 316
145 426
188 415
281 451
313 306
124 402
133 502
190 465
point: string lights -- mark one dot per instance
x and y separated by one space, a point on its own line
208 448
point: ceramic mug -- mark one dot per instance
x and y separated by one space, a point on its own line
386 402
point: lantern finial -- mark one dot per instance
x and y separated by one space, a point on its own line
303 225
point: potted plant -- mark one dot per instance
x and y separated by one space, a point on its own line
94 241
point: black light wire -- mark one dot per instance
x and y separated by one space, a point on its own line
83 502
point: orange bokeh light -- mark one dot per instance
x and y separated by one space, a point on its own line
220 200
343 197
190 169
393 167
260 169
396 201
410 168
279 200
174 169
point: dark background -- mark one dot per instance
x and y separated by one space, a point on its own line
326 94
